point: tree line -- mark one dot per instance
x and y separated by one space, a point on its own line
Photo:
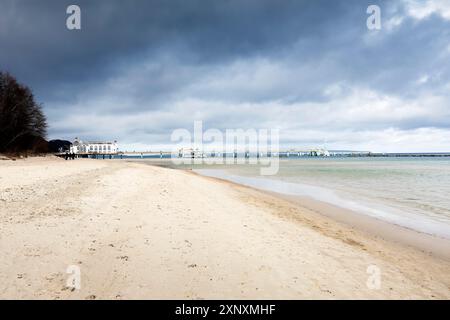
23 126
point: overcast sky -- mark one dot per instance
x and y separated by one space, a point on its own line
137 70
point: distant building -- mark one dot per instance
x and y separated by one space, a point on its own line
80 147
190 153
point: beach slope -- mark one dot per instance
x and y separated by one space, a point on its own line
139 231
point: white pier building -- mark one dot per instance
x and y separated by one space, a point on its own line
93 147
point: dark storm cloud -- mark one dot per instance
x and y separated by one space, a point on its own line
34 35
139 69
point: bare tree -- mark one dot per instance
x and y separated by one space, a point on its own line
22 122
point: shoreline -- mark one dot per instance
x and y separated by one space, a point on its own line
373 226
138 231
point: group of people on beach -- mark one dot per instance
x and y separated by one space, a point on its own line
69 156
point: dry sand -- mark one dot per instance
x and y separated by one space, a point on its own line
138 231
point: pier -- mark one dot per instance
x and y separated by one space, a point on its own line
313 153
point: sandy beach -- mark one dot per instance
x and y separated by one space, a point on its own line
140 231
